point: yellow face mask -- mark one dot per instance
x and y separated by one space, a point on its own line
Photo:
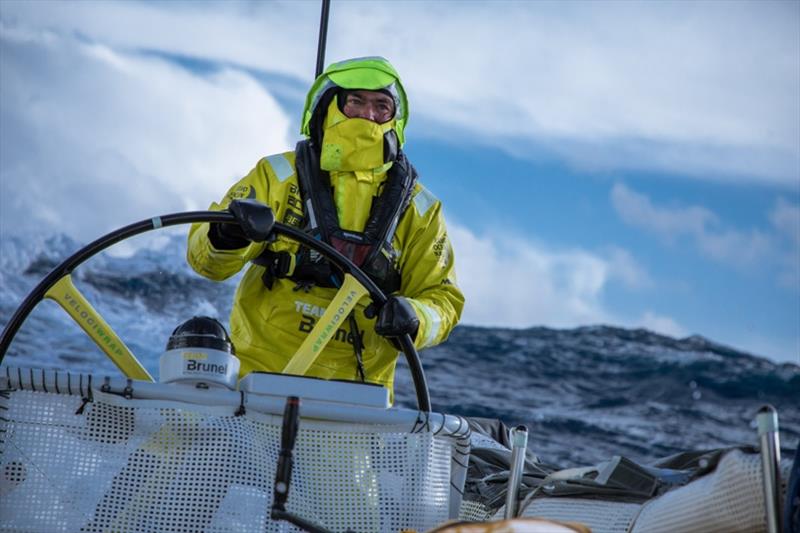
350 144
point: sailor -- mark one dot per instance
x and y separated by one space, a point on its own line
350 184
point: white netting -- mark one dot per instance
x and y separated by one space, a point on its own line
474 511
144 465
729 500
154 466
600 516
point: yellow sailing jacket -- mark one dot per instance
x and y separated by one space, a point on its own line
268 325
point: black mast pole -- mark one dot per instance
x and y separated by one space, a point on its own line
323 37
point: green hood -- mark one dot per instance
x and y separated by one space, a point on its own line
369 73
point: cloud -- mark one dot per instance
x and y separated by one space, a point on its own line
514 282
742 249
699 223
95 133
102 137
705 89
275 36
93 138
661 324
637 210
624 268
785 218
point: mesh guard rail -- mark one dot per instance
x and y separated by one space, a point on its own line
82 453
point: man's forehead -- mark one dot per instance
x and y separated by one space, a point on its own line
371 95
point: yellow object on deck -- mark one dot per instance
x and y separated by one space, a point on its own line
65 294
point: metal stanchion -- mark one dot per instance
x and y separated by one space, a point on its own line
769 441
519 444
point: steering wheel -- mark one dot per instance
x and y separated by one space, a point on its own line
58 286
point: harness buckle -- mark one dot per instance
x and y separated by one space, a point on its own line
276 265
304 285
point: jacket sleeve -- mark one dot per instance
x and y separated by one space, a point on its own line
217 264
428 272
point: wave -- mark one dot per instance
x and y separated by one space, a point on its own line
585 393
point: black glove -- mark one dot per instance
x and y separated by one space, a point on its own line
254 223
397 318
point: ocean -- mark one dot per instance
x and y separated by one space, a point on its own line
585 394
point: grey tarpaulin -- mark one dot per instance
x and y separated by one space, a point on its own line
618 479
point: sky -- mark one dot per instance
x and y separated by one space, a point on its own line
626 163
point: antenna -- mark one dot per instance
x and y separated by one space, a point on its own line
323 37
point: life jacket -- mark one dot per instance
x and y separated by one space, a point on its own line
371 250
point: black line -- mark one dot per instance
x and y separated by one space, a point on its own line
460 491
457 462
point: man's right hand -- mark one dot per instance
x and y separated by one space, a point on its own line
254 222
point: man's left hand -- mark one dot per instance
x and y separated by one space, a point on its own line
396 318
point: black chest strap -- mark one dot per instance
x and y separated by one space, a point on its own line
371 249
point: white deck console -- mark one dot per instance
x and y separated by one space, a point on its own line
350 392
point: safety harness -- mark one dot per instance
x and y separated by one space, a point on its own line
371 250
